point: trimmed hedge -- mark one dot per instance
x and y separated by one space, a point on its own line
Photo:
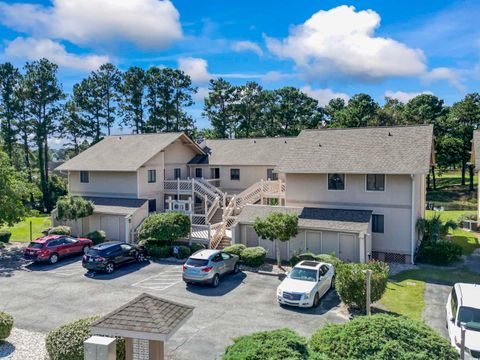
381 337
66 342
168 227
157 251
60 230
253 256
442 252
5 236
196 247
97 236
6 325
183 252
328 258
235 249
351 282
272 345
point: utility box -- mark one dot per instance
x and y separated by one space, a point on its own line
100 348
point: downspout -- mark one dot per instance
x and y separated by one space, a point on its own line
412 176
128 220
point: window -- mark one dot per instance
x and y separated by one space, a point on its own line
234 174
84 177
226 256
271 175
177 173
215 173
378 224
152 205
198 172
376 182
126 247
217 258
152 176
336 181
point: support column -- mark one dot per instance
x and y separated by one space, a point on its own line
157 350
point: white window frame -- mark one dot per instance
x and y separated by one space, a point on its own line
239 174
344 182
154 172
87 173
376 191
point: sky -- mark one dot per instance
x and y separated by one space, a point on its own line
327 48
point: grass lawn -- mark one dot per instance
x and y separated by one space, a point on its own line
21 231
451 194
466 239
405 291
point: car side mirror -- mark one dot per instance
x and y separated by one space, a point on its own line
451 319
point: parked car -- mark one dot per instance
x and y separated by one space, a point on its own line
207 266
463 309
53 247
306 283
112 254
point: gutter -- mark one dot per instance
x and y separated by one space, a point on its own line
412 245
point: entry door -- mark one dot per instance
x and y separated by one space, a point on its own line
314 242
347 248
251 236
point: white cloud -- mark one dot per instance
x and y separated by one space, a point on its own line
445 74
201 94
324 95
342 41
34 49
146 23
197 68
240 46
403 96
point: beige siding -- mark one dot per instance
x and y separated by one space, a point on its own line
103 183
177 155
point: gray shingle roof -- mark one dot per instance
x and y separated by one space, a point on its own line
259 151
313 218
119 206
385 150
476 149
145 314
123 152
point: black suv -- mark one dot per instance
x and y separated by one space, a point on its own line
109 255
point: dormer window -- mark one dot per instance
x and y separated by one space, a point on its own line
84 177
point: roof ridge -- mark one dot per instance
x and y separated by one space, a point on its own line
147 134
257 138
370 127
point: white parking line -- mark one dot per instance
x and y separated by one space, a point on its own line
162 281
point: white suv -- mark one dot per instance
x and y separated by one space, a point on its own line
306 284
463 308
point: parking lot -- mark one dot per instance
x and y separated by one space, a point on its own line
42 296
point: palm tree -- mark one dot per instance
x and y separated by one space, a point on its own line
434 229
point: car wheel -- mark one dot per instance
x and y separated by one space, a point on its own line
85 249
316 300
140 257
53 259
216 280
332 284
236 268
109 268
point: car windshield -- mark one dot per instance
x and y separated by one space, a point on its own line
469 315
303 274
96 252
197 262
35 245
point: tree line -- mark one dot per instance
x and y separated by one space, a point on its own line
34 110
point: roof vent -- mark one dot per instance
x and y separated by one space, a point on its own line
319 145
285 141
390 134
254 141
119 138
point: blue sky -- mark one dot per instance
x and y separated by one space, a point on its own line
327 48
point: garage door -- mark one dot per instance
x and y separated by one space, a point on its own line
330 243
348 246
314 242
251 236
111 225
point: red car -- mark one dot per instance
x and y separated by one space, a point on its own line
53 247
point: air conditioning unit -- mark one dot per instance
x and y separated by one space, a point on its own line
179 206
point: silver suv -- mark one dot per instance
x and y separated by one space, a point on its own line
207 266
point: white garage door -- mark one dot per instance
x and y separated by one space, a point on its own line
348 248
330 243
314 242
111 225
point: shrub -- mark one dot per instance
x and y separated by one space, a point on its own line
73 208
351 282
297 257
66 342
97 236
2 245
6 324
168 227
5 236
381 337
253 256
235 249
60 230
157 251
272 345
194 247
183 252
155 242
441 252
328 258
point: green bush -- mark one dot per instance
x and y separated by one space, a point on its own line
155 242
328 258
235 249
156 251
442 252
97 236
168 227
5 236
66 342
183 252
2 245
272 345
381 337
6 324
60 230
73 207
253 256
296 258
196 247
351 282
